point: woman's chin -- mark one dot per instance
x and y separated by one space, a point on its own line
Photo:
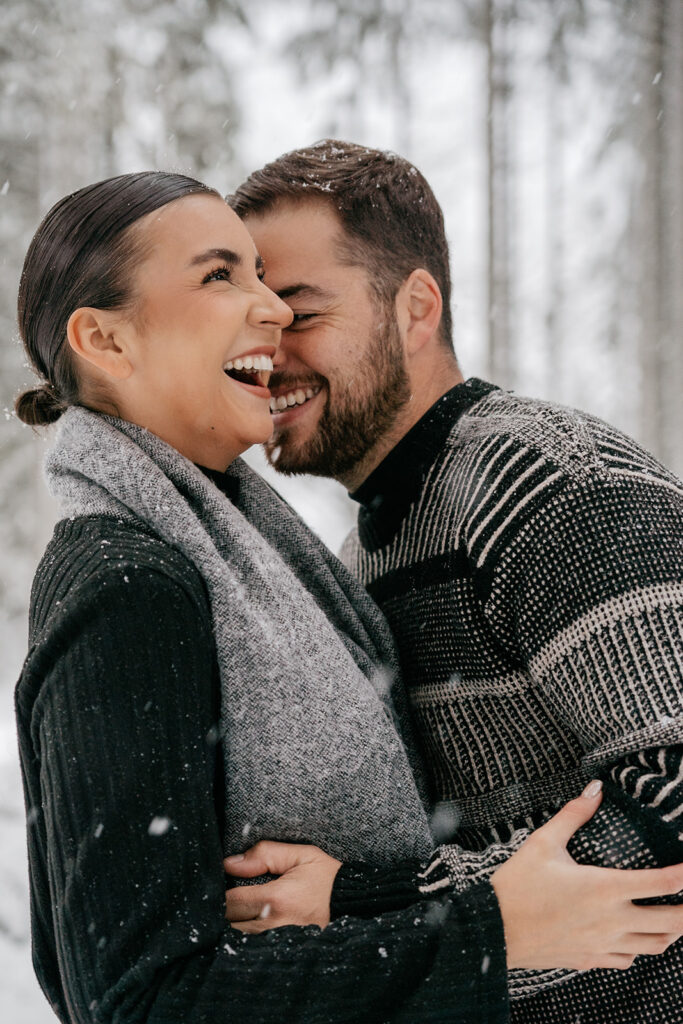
255 434
260 439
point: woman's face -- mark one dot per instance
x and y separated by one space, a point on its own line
203 333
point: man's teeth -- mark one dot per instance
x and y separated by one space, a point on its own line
297 397
250 363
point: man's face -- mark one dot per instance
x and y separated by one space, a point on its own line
340 375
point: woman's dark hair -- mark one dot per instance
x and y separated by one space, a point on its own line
83 254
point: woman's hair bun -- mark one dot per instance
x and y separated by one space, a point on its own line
39 406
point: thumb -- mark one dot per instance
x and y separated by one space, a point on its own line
266 858
573 815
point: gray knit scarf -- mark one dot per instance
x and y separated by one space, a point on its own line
309 727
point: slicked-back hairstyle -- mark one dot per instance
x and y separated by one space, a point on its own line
392 223
84 253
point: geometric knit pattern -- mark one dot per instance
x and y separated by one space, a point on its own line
529 560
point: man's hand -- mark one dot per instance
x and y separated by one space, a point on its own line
557 913
301 896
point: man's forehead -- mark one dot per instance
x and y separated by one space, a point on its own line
301 264
293 224
304 251
305 290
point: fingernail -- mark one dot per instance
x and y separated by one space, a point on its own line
236 857
592 789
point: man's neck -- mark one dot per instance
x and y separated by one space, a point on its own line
423 396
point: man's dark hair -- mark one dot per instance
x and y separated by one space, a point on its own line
392 222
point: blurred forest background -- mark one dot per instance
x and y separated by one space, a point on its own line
551 131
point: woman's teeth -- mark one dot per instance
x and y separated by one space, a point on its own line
296 397
252 370
250 363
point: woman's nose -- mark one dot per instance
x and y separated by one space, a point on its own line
272 310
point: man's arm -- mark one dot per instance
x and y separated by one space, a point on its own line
588 597
598 599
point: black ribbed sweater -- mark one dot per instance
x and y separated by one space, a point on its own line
117 707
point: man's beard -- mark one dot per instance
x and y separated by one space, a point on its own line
357 413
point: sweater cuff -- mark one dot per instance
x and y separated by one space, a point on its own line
479 910
473 948
366 890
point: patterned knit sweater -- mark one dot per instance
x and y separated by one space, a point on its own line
529 559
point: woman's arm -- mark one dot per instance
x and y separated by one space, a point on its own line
123 743
555 912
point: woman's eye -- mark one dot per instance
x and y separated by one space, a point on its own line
219 274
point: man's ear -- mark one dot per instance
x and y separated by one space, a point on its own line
419 306
93 336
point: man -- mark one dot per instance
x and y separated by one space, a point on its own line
528 558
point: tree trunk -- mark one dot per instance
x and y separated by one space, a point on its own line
672 218
498 17
555 227
399 61
655 235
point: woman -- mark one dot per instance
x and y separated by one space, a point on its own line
162 621
202 673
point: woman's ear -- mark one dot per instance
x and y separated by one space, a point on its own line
419 307
94 336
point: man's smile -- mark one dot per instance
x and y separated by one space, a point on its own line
290 394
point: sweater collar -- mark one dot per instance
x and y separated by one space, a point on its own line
404 468
395 483
229 485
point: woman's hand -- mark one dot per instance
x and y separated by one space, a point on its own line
557 913
301 896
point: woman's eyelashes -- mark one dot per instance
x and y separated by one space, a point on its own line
222 273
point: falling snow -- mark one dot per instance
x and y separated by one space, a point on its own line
599 375
159 826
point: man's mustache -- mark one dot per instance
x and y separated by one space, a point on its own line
288 381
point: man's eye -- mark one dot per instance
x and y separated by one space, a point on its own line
219 274
302 318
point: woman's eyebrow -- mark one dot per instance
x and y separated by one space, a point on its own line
227 255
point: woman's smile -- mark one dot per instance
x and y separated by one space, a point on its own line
202 306
251 370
